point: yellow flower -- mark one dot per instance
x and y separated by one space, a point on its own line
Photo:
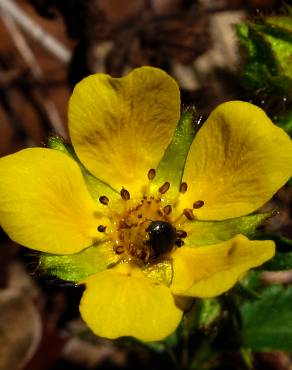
140 231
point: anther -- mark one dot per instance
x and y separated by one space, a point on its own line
167 209
125 194
189 214
198 204
101 228
179 242
163 189
181 234
119 249
183 187
151 174
123 225
104 200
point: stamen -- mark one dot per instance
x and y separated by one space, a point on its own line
124 225
101 228
179 242
125 194
189 214
151 174
183 187
119 249
181 234
104 200
163 189
167 209
198 204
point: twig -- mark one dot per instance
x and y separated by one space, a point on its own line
36 71
8 7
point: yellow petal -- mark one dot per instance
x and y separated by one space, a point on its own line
212 270
120 127
123 302
237 161
44 203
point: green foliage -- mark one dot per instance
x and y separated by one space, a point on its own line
268 48
266 323
281 261
209 311
285 121
283 257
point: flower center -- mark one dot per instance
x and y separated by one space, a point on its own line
144 230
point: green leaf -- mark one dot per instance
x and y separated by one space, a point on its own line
268 47
244 292
266 323
283 23
171 166
283 258
212 232
281 261
283 244
209 311
96 187
77 267
285 122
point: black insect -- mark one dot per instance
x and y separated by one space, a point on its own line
162 236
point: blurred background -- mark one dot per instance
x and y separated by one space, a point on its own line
46 47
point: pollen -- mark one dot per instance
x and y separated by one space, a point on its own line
104 200
129 230
125 194
198 204
151 174
101 228
167 209
164 188
181 234
189 214
183 187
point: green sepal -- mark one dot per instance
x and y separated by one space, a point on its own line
96 187
266 322
202 233
77 267
171 166
57 143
